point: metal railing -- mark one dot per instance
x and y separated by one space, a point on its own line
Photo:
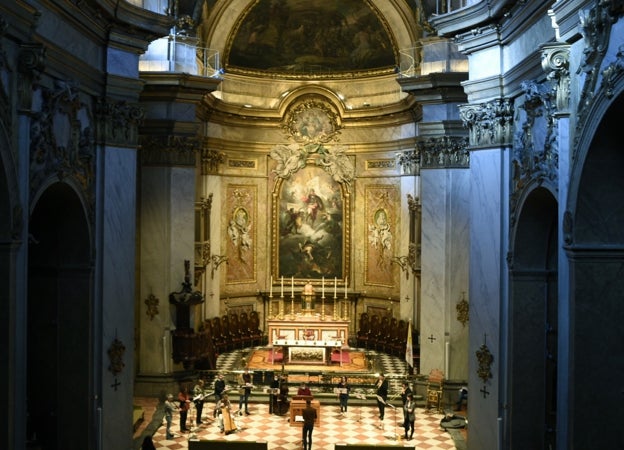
174 55
448 6
157 6
438 56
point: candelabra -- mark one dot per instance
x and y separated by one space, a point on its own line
292 306
336 312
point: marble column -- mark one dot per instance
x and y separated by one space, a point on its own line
166 241
445 230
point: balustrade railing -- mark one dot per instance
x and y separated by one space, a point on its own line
173 54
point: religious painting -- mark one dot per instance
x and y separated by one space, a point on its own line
381 234
241 228
324 36
309 226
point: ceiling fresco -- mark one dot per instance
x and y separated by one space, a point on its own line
307 37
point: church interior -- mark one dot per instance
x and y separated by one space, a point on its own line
430 189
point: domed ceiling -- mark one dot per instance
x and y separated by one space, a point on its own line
303 37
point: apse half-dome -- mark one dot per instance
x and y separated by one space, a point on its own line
303 37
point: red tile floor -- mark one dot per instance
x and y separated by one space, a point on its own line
359 426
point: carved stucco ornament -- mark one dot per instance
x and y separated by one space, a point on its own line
152 303
115 355
313 124
485 360
489 124
463 309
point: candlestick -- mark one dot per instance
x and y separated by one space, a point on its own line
292 287
346 283
323 287
282 290
335 286
271 287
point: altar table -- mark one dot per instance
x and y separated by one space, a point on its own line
290 347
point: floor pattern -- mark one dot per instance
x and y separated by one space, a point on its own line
359 426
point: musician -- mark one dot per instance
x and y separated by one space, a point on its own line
185 404
282 400
382 396
224 414
343 395
273 394
198 397
309 416
304 390
170 407
219 388
405 392
409 412
244 382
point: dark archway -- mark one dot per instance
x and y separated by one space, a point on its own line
533 324
59 318
597 283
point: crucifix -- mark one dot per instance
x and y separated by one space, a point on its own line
431 338
116 384
484 391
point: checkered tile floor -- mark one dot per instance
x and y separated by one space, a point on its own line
360 426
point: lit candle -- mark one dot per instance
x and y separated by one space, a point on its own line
346 282
292 286
323 287
271 287
335 285
282 289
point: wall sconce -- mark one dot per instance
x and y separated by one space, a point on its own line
409 261
217 260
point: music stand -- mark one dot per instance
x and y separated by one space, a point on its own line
362 397
394 437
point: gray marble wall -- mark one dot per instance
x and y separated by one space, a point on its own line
445 253
487 255
166 241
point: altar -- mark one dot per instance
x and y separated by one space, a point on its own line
306 351
310 328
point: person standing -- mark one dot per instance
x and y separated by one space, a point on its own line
405 391
309 416
273 394
185 405
343 395
409 411
219 389
382 396
170 407
198 398
245 392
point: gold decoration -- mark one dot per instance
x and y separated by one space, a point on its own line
462 310
115 355
152 303
485 358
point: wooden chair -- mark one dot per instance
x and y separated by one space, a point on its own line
245 332
435 390
363 331
254 328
